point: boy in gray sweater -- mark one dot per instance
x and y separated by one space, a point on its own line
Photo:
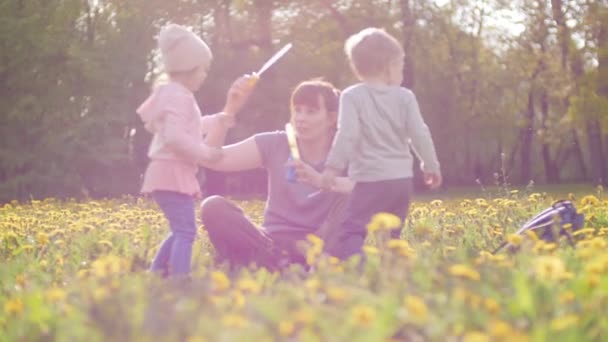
378 122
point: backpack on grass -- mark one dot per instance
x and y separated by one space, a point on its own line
551 223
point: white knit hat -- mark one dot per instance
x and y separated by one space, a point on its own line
182 50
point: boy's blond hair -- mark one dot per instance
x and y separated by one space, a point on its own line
371 51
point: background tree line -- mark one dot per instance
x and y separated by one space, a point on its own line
526 101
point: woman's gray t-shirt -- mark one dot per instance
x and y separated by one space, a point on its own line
289 207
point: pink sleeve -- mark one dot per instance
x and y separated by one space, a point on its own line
164 98
207 123
177 119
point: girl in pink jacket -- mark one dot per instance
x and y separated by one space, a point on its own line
177 149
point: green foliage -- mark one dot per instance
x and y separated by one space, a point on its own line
75 270
73 72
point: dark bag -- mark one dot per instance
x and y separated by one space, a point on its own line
549 224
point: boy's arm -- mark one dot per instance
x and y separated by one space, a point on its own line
307 174
421 140
346 135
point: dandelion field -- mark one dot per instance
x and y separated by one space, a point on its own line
75 270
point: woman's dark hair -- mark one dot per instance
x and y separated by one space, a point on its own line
307 93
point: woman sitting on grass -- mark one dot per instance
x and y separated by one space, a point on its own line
293 209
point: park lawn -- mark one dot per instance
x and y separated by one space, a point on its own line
75 270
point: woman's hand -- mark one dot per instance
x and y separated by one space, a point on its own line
328 179
238 94
305 173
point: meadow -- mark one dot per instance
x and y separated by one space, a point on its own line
75 270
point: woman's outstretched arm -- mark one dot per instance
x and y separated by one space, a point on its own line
241 156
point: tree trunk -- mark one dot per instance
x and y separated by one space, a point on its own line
339 17
563 32
602 69
551 170
264 23
596 155
579 154
223 23
408 34
528 135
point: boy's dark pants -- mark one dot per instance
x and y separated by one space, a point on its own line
369 198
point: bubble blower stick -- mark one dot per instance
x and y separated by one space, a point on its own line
256 75
293 148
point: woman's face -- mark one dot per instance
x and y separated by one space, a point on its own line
313 122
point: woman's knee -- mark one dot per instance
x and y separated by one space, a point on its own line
213 208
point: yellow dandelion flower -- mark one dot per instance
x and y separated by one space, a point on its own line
55 294
363 315
337 294
105 244
334 261
491 305
234 321
303 316
249 285
475 301
195 339
220 281
593 280
42 239
514 239
475 336
397 243
370 250
595 267
500 329
106 265
238 299
286 328
590 200
531 235
464 271
13 306
100 293
436 203
549 247
317 242
549 268
383 221
422 228
481 202
584 231
597 243
312 284
21 280
564 322
402 247
417 308
566 297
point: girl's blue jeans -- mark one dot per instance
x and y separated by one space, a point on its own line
175 253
